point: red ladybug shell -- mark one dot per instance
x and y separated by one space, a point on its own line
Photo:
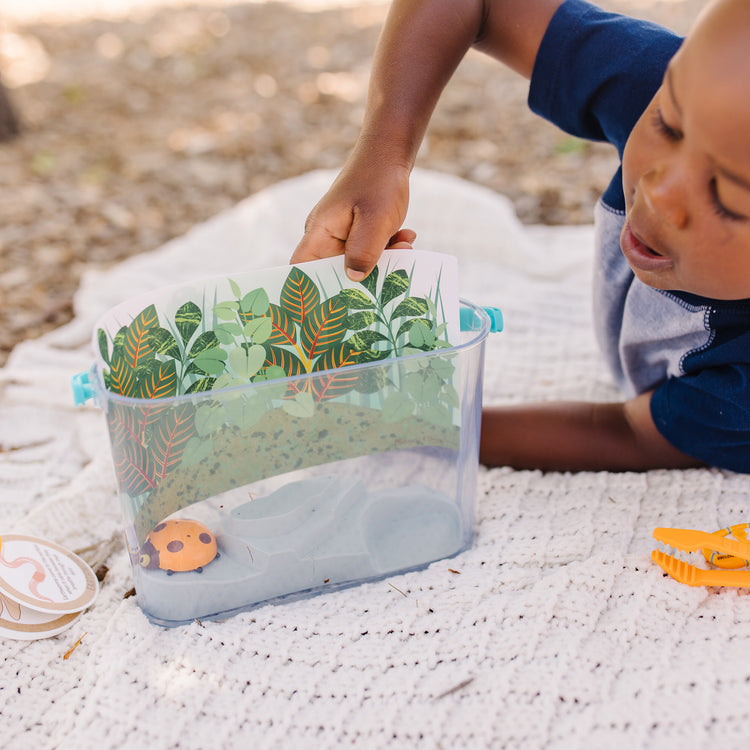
178 545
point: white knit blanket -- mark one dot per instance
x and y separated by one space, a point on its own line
553 630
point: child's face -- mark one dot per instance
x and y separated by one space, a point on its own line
686 165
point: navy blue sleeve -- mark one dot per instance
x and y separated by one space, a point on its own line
706 415
596 72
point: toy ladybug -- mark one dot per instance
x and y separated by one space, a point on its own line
178 545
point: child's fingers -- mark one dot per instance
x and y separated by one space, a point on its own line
316 243
403 238
365 244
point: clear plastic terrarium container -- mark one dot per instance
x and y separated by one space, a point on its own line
258 486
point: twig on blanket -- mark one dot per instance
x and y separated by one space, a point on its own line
461 685
397 588
67 654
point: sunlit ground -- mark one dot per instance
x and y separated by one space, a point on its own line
69 10
25 11
142 118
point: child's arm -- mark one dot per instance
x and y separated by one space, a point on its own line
421 45
577 436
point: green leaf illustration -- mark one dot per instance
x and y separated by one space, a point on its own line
255 303
206 341
164 343
202 384
121 375
134 468
136 344
370 282
336 380
187 319
410 307
339 355
245 412
303 406
157 379
282 326
432 309
283 359
210 361
101 336
365 343
421 335
170 436
359 320
124 425
226 310
299 295
119 339
397 406
259 329
371 380
365 339
324 326
443 367
422 388
226 380
226 332
395 284
356 299
246 361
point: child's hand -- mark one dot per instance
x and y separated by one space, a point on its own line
403 239
359 216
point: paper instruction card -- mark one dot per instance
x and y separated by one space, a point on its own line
43 587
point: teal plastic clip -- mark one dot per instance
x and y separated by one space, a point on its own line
83 391
468 319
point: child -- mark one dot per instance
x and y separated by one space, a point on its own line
672 280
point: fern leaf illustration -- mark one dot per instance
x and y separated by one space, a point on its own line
288 361
134 468
299 295
124 425
332 381
137 344
324 327
158 380
283 331
169 438
122 375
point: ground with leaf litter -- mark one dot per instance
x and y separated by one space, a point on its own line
137 126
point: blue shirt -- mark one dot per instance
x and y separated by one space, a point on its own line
594 75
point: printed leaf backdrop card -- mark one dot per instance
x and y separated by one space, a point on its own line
278 322
286 431
315 367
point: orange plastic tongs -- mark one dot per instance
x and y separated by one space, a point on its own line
691 540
